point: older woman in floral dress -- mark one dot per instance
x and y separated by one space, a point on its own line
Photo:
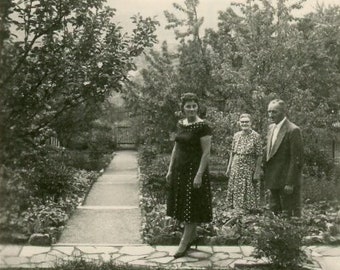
244 167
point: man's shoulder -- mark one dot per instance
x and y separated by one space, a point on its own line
292 126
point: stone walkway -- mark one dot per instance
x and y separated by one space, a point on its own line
106 228
218 257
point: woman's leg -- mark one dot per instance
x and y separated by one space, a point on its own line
188 235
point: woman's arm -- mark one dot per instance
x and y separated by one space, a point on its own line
206 146
257 172
231 155
259 158
172 158
229 163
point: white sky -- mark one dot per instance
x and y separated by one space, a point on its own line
207 9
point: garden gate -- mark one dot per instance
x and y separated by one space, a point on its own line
125 136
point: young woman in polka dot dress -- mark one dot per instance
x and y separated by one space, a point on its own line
189 197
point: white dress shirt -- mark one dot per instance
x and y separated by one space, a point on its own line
276 130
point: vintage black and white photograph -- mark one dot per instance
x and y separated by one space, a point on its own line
170 134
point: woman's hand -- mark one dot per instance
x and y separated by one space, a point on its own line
288 189
197 181
168 177
256 178
227 173
257 175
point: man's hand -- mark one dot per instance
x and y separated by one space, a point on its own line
288 189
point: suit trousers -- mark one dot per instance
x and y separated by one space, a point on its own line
289 204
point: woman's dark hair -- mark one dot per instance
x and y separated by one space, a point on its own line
187 97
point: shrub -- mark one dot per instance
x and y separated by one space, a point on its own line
223 126
318 189
79 263
23 214
156 226
280 240
50 178
85 160
146 154
318 162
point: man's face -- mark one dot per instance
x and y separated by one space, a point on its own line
275 113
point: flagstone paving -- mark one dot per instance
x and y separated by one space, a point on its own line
218 257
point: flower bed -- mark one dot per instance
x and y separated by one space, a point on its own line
321 219
44 216
40 201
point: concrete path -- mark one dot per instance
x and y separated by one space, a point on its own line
110 214
106 228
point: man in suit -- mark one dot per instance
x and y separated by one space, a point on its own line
284 160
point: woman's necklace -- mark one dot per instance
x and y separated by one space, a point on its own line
193 121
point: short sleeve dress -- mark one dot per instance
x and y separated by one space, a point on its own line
185 203
242 193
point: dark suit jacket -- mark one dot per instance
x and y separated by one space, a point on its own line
283 162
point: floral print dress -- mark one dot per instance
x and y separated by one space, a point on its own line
242 193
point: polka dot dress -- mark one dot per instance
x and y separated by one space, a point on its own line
185 203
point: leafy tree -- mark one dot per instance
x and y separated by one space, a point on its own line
59 67
71 56
168 75
194 65
156 98
262 52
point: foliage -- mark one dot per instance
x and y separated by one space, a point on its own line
153 180
85 160
79 63
90 149
318 189
49 178
280 240
259 51
79 263
146 154
60 60
87 58
257 55
156 100
224 127
322 221
192 51
229 227
168 75
23 213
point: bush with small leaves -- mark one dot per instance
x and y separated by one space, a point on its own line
280 240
